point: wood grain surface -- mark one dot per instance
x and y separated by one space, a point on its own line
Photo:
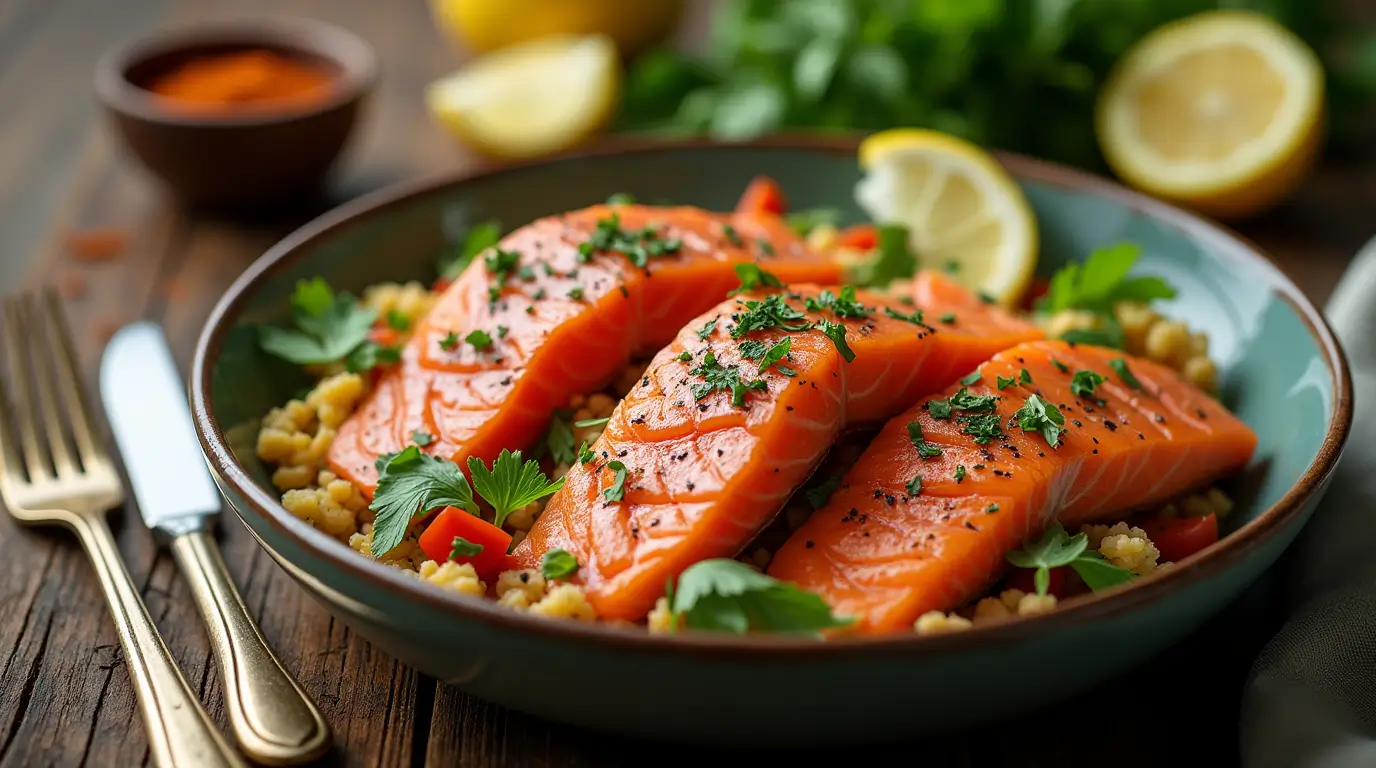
65 697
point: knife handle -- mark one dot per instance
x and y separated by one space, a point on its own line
180 733
273 720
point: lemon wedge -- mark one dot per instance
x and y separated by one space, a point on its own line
964 213
531 99
1220 111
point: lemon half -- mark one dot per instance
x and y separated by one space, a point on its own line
964 213
531 99
1220 111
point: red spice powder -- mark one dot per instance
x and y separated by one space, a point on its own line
242 80
96 244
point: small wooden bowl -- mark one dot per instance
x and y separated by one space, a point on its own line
249 158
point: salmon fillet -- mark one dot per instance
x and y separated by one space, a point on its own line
561 322
702 476
885 556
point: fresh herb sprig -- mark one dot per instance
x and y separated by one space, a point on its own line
724 595
329 327
1056 548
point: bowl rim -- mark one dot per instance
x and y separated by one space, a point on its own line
1088 608
358 68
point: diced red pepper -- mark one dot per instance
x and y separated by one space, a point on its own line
441 284
384 335
438 542
860 237
1178 538
1025 580
762 195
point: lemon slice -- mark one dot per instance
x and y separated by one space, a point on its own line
963 212
1220 111
530 99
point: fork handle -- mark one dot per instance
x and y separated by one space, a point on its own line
273 720
180 733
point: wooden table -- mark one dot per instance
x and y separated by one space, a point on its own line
65 698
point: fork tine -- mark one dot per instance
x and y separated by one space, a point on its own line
10 464
45 378
34 457
83 428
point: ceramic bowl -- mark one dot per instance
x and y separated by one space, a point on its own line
237 159
1281 369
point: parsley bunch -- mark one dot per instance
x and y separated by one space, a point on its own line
1096 285
329 327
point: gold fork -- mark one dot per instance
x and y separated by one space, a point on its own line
60 474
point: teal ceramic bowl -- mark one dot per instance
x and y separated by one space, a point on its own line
1282 371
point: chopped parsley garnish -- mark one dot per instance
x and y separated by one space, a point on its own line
422 438
984 428
620 198
914 486
464 548
618 490
1120 367
960 472
949 318
837 333
500 264
369 355
992 508
582 423
1056 548
1060 365
766 247
1024 376
844 305
1037 415
398 321
1111 335
707 329
728 596
526 273
585 454
732 235
1083 383
1101 281
752 277
818 494
773 311
449 342
753 350
639 246
479 238
685 356
892 260
502 331
411 483
803 222
915 318
962 400
924 449
539 293
776 353
971 378
1004 383
479 339
557 564
558 440
329 326
576 293
510 484
720 377
940 409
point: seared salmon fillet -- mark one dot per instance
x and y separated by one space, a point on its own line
925 518
707 448
561 305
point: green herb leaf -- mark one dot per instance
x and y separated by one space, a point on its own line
766 247
971 378
621 198
1003 383
728 596
949 318
618 490
1024 376
984 428
411 483
684 356
449 342
558 440
731 234
422 438
962 400
707 329
844 305
939 409
479 238
464 548
558 564
398 321
914 486
510 484
585 454
576 293
1111 336
915 318
1120 367
1083 383
892 261
720 377
592 422
1037 415
803 222
960 472
328 326
818 494
776 353
369 355
1054 549
925 449
773 311
837 333
1060 365
1098 573
752 277
479 339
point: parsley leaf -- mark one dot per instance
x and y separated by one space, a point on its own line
892 261
753 350
844 305
960 473
510 484
773 311
707 329
1056 548
557 564
776 353
1003 383
479 238
328 326
618 490
369 355
732 235
1060 365
962 400
1110 335
464 548
940 409
1120 367
729 596
576 293
722 377
924 449
410 483
817 495
449 342
837 333
915 318
592 422
949 318
558 440
1024 376
971 378
1083 383
479 339
914 486
585 454
803 222
1037 415
1101 281
422 438
398 321
984 428
752 277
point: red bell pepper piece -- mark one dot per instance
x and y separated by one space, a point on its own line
1178 538
762 195
860 237
438 542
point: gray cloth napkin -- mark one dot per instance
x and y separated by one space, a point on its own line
1311 697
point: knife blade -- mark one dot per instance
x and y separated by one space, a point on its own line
145 403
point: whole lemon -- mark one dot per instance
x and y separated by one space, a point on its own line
485 25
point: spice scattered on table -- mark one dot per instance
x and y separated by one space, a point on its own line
243 79
96 244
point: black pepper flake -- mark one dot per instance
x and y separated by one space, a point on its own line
1110 426
1095 439
525 577
638 420
1160 419
719 452
945 517
1096 451
1076 422
890 500
809 544
654 523
878 493
866 534
971 526
506 382
1200 413
788 407
1140 436
621 454
689 485
702 407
